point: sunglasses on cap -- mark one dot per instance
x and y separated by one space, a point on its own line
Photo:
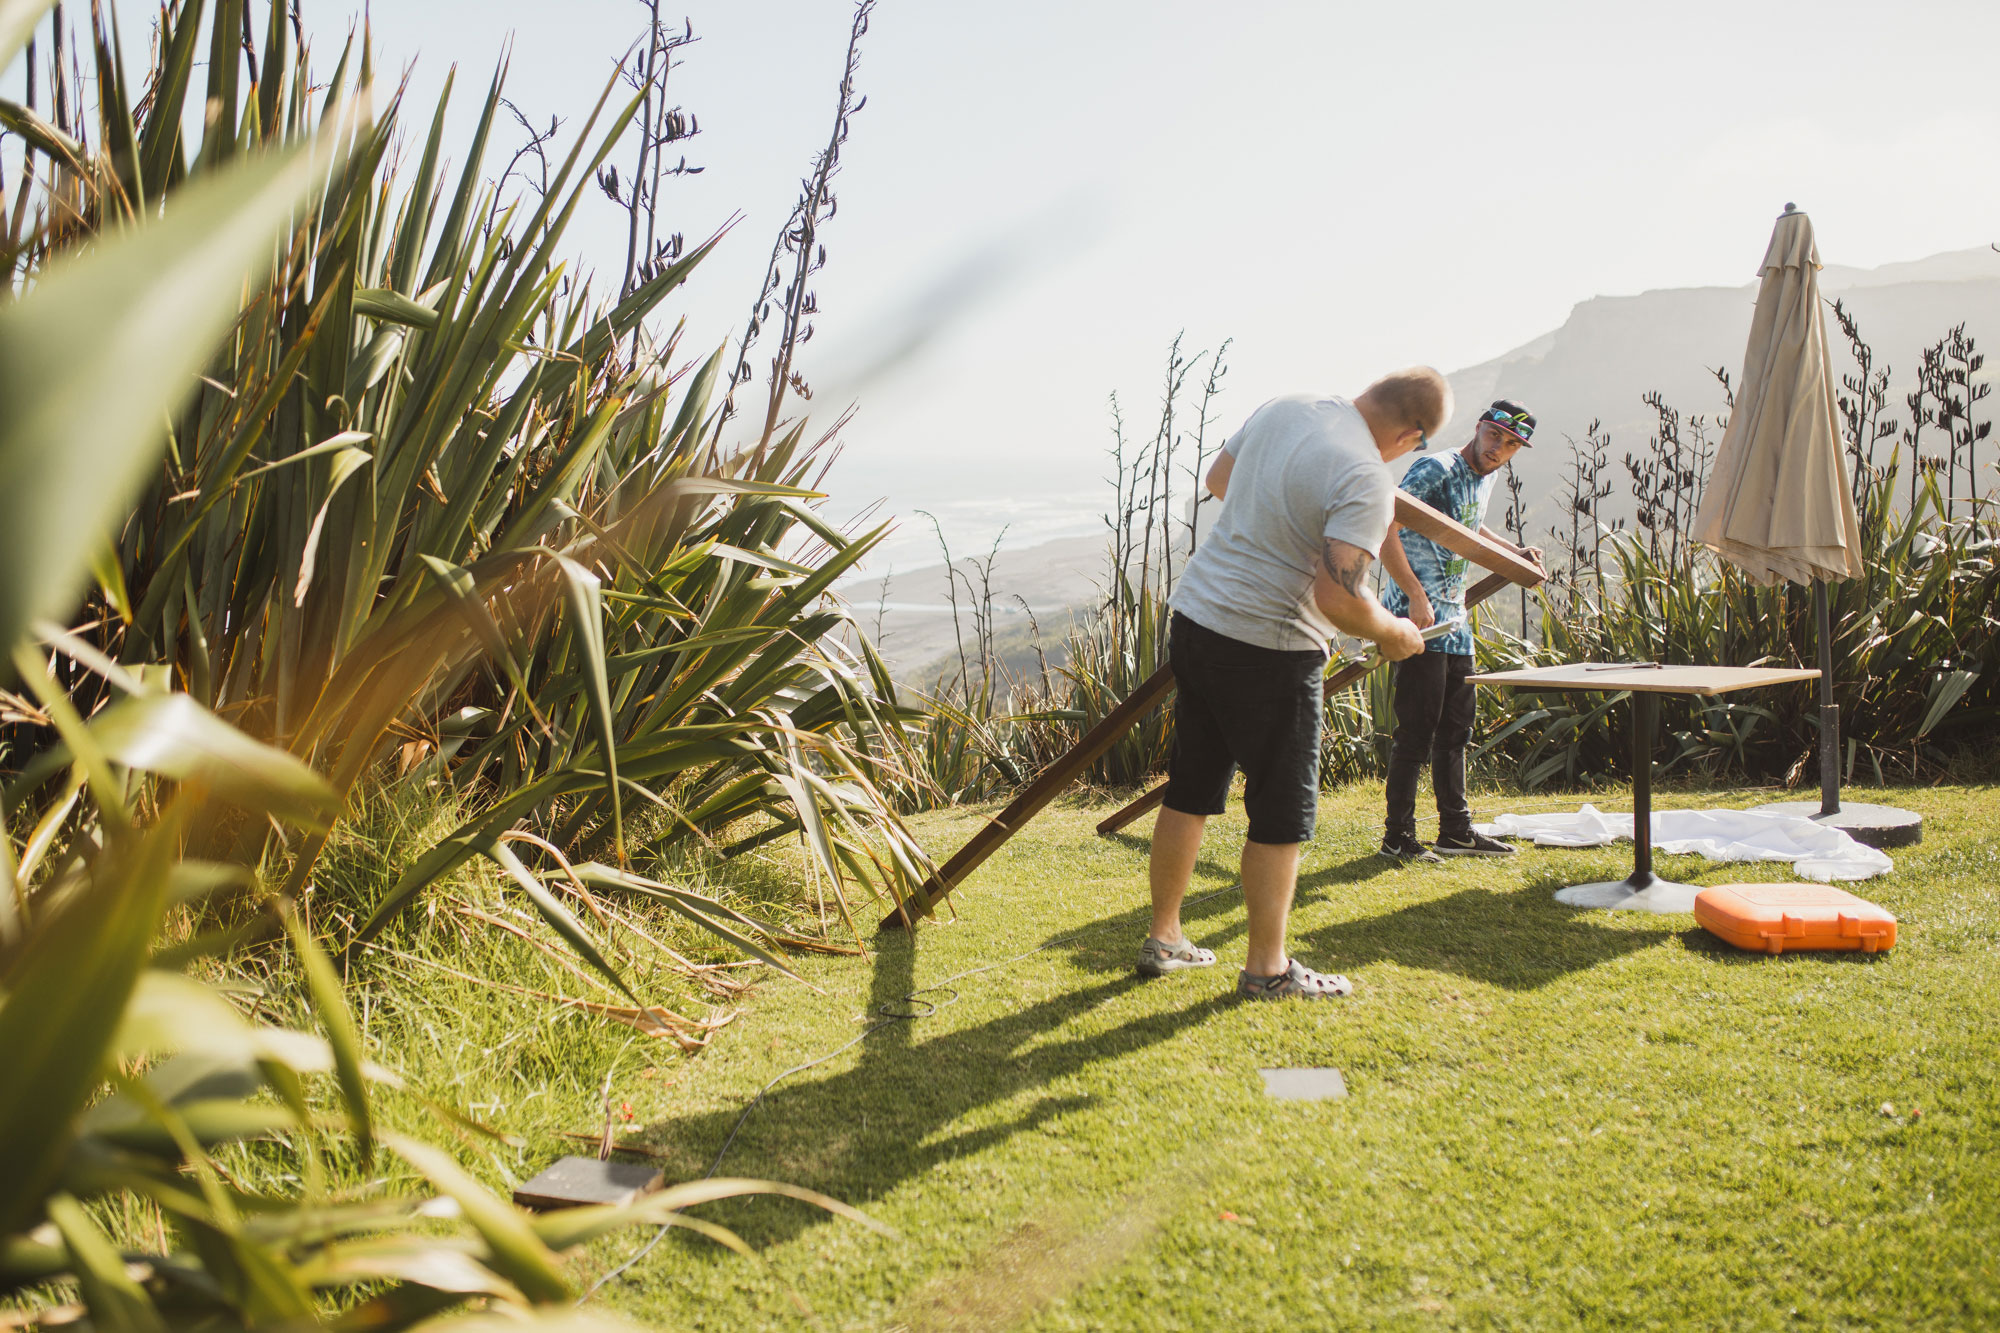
1520 424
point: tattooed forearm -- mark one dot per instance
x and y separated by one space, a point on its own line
1345 564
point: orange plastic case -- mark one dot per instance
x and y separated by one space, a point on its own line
1771 918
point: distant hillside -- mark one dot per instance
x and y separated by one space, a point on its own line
1613 349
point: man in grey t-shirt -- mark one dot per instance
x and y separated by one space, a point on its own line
1307 500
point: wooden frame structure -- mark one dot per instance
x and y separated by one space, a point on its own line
1507 568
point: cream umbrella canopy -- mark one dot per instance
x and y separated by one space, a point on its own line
1777 504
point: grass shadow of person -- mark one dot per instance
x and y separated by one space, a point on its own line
1354 870
1203 906
893 1116
1519 940
1206 863
1111 943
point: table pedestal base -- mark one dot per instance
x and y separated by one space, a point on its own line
1883 826
1637 894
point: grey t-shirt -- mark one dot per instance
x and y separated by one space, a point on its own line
1306 468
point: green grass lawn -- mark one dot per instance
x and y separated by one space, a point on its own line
1556 1118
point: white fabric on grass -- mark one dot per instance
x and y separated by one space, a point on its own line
1815 851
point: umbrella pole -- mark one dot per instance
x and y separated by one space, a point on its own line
1829 711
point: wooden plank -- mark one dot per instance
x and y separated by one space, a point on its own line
1151 693
1455 537
1335 683
1485 588
1609 676
1119 818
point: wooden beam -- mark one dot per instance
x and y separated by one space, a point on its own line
1486 587
1138 809
1050 784
1455 537
1335 683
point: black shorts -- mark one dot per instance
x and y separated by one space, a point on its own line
1257 709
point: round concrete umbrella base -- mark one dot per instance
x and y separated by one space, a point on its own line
1883 826
1627 895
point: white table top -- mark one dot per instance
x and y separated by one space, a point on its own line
1651 680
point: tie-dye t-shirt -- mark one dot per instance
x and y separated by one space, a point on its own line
1449 485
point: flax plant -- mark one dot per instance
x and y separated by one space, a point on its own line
134 1090
424 504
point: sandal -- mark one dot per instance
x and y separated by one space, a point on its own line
1157 959
1296 981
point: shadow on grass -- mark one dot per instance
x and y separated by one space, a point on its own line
861 1133
1368 865
1206 862
1705 945
1111 943
923 1094
1519 940
1516 940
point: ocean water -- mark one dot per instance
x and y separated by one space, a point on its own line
971 524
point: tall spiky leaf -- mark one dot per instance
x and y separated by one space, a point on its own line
17 25
586 608
142 311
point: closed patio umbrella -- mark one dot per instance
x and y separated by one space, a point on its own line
1777 503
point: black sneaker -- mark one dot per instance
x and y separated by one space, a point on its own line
1472 843
1406 847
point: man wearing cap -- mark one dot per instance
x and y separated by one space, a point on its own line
1434 700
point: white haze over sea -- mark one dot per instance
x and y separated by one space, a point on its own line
972 524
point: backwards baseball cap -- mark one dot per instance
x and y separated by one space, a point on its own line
1511 417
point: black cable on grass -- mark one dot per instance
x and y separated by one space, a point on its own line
923 1008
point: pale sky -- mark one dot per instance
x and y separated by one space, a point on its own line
1342 188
